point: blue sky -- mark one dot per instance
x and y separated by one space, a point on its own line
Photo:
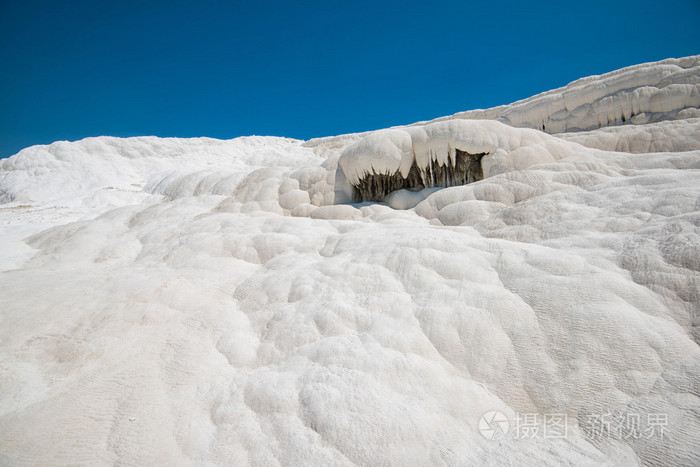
73 69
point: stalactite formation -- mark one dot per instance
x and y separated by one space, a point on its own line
465 169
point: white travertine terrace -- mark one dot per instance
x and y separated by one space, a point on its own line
205 302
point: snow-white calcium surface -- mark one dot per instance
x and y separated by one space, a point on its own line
180 302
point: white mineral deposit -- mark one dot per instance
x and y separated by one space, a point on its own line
511 286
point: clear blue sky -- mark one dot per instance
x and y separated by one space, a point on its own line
302 69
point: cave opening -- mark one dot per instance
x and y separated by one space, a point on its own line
465 169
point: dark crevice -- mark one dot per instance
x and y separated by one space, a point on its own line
466 169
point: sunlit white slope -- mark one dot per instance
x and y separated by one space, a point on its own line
646 93
218 303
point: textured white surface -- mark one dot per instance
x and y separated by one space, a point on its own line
639 94
395 150
213 302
